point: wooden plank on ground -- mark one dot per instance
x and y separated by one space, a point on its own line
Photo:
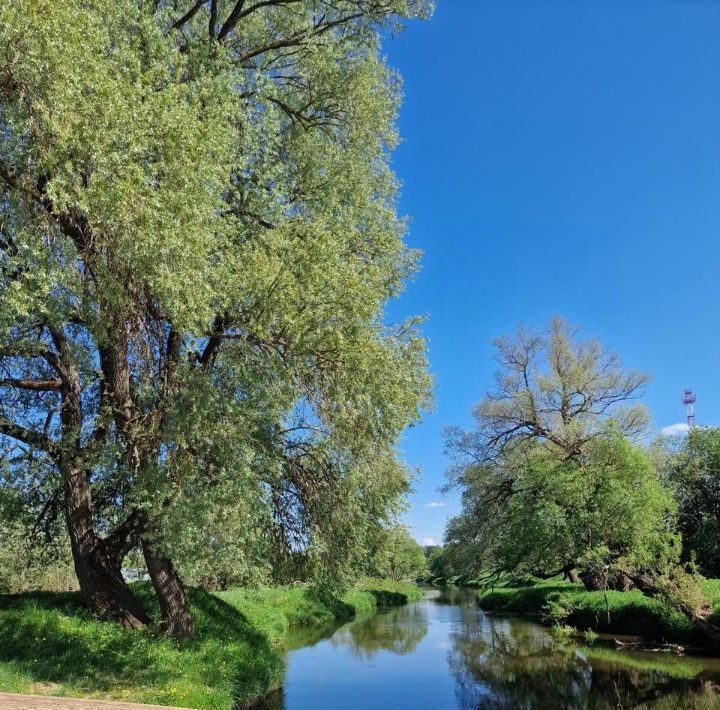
11 701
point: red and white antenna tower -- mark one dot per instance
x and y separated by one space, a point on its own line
688 400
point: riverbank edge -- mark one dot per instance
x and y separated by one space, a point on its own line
50 644
562 603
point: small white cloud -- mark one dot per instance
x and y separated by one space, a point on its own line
675 429
435 504
428 541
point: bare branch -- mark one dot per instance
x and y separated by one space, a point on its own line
238 13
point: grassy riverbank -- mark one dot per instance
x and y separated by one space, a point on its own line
561 602
51 644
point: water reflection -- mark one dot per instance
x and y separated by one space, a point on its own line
307 636
444 652
398 631
501 663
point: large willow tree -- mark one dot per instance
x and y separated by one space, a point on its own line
198 235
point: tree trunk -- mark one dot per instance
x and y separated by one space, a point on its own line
594 581
98 570
573 576
623 583
97 564
174 607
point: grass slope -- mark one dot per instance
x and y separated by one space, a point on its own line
617 612
51 644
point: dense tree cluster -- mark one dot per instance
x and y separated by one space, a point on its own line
198 236
398 556
692 470
553 479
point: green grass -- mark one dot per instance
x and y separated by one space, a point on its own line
711 590
618 612
51 644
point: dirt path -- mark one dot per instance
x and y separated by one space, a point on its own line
10 701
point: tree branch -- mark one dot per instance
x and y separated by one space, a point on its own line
72 227
212 22
188 15
213 343
238 13
126 535
297 38
33 385
27 436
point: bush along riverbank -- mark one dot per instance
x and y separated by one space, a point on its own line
561 603
51 644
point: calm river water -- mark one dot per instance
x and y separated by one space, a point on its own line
445 652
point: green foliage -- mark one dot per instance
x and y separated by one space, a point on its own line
32 556
398 556
563 631
559 602
440 564
693 472
221 237
550 480
608 508
590 636
49 643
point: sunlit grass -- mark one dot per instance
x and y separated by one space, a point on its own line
49 643
618 612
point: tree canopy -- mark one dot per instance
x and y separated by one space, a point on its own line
198 235
550 482
542 516
398 556
693 472
556 390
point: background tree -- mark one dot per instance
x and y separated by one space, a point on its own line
601 519
32 556
549 481
442 564
197 238
398 556
693 472
555 390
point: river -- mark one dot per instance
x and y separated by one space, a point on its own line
445 652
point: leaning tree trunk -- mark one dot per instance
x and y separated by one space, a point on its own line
174 607
97 565
594 581
97 561
573 575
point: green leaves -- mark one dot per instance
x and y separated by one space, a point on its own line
549 476
202 217
608 509
693 472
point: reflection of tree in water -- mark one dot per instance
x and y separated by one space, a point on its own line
398 630
454 596
501 663
302 636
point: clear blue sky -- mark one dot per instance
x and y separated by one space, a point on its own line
561 158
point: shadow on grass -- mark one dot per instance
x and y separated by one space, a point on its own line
54 639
